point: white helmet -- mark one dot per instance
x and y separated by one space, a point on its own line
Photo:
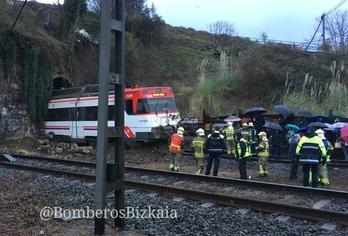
180 130
200 132
229 123
251 124
320 133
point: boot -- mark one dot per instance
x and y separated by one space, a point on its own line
261 172
171 167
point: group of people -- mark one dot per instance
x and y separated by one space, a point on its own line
208 150
311 149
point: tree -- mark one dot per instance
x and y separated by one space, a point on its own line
264 37
71 12
337 28
221 32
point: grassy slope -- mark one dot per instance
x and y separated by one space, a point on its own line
253 74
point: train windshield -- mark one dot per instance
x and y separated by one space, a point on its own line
156 105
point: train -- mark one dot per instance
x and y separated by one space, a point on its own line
150 113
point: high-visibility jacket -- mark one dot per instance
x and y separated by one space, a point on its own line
263 148
239 149
198 146
311 150
229 132
176 143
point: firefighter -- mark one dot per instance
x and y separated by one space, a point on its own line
229 134
242 153
198 149
252 138
323 168
263 153
311 151
215 147
175 148
246 135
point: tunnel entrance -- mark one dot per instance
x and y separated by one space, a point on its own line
60 83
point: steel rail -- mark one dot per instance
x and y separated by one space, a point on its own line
226 200
223 180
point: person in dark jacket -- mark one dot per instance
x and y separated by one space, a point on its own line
275 143
311 151
215 146
242 153
293 157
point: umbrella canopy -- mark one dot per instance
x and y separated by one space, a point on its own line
284 110
272 125
344 133
232 119
323 119
319 125
255 110
338 125
302 130
302 113
292 126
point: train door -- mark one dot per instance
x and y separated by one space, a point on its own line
77 129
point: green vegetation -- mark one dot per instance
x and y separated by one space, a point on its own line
37 84
237 74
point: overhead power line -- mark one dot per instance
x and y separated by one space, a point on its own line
316 31
14 24
335 7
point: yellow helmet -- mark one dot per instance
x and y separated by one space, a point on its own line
245 125
229 123
262 134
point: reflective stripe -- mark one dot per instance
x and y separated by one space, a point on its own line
309 160
215 150
310 147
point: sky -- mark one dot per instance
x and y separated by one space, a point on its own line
287 20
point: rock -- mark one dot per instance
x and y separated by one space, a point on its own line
23 152
59 150
74 147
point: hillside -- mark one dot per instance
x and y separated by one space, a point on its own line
243 74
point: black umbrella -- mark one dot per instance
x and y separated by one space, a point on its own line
272 125
319 125
284 110
323 119
255 110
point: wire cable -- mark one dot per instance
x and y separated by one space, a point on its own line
14 24
335 7
316 31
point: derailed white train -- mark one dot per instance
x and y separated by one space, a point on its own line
150 113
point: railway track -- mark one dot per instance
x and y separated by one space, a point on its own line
187 176
286 160
223 199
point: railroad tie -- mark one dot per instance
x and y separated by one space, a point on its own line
283 218
328 226
9 158
207 204
178 199
321 204
242 211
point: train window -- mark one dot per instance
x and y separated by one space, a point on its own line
91 113
60 114
156 105
141 106
129 106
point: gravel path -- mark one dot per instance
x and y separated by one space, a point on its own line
193 217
